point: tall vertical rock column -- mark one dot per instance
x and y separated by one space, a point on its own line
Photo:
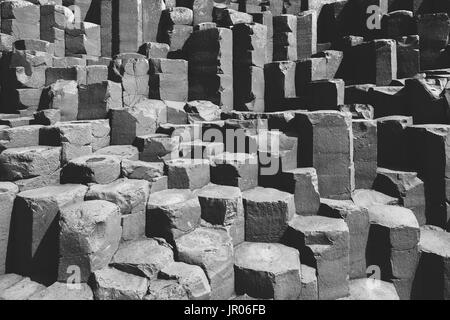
210 56
249 58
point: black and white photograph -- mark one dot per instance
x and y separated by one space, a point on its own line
217 158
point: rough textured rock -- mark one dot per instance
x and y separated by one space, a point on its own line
405 186
172 213
328 136
432 281
141 170
212 250
89 236
191 277
112 284
222 206
144 257
34 229
309 289
102 169
122 152
63 291
161 289
21 290
303 183
393 246
357 220
131 196
368 198
324 244
29 162
236 170
188 173
267 213
8 192
372 289
267 270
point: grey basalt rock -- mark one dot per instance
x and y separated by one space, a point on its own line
102 169
143 257
8 192
324 244
172 213
112 284
267 213
34 229
267 270
89 236
29 162
212 250
63 291
191 277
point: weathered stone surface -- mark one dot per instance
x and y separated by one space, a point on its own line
372 289
365 150
8 192
393 246
309 289
21 290
122 152
188 173
102 169
8 280
267 270
144 258
403 227
221 204
357 220
129 123
324 244
35 229
191 277
367 198
432 281
20 137
212 249
405 186
63 291
131 196
112 284
89 236
158 147
327 136
172 213
29 162
236 170
161 289
52 179
303 183
141 170
267 213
